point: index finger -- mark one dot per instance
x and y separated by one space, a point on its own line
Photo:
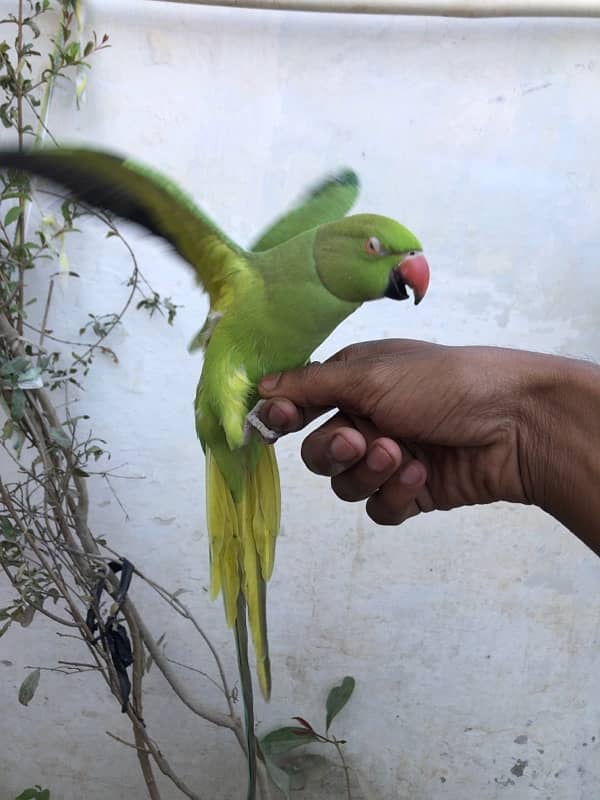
295 398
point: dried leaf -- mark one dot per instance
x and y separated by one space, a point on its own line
25 616
304 724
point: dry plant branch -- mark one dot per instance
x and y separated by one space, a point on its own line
48 553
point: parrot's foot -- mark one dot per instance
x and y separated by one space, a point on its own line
254 423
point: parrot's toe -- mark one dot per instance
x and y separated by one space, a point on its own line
253 422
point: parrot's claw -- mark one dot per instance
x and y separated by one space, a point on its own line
253 422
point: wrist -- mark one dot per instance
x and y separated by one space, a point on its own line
561 443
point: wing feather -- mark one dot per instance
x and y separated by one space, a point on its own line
148 198
326 202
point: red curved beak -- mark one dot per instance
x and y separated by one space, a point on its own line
414 271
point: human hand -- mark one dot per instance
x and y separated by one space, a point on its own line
419 426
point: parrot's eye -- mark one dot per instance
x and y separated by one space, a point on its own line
373 246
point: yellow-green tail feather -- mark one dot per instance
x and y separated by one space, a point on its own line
242 535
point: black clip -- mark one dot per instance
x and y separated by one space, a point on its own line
112 634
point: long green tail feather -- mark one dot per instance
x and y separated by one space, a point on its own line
241 643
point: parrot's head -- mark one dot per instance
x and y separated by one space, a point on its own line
365 257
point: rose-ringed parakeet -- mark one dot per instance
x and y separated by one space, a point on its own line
270 308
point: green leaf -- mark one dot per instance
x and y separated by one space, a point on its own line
71 52
337 699
34 28
4 116
17 404
8 429
28 687
95 451
5 627
15 366
30 374
7 529
34 793
279 776
12 215
282 740
59 436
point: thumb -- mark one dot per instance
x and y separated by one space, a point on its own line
335 384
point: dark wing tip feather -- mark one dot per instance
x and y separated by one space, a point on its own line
71 168
345 177
25 159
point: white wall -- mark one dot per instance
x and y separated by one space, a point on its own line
465 631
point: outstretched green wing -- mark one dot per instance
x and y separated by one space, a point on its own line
328 201
146 197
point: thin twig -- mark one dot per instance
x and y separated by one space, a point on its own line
164 766
78 664
116 496
45 317
184 611
137 677
338 747
197 671
66 672
20 228
128 744
209 714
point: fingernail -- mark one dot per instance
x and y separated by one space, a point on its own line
411 475
378 459
276 417
340 450
269 382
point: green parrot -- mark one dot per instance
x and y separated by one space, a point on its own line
270 308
